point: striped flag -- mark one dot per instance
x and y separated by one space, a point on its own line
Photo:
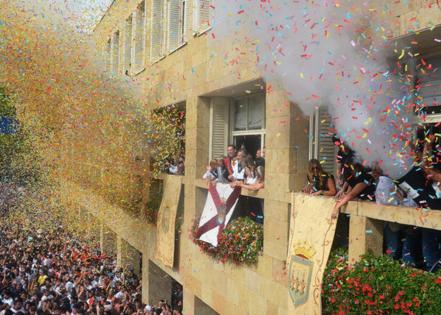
218 209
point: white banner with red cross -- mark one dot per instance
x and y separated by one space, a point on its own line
218 209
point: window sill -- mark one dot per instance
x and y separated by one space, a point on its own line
177 48
200 33
153 61
136 72
162 176
244 192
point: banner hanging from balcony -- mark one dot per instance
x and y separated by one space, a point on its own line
311 235
218 209
165 231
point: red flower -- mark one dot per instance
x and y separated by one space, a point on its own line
396 307
381 297
416 301
438 280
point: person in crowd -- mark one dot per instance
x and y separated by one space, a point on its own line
216 171
238 168
175 167
345 158
228 161
260 157
360 185
180 166
400 241
211 173
319 182
54 273
254 178
222 171
431 239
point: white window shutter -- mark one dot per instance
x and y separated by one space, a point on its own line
218 127
157 29
139 16
184 21
195 10
204 15
326 149
128 46
174 18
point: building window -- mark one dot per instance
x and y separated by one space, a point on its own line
128 46
248 117
428 84
140 36
201 16
115 53
321 146
176 23
157 30
240 121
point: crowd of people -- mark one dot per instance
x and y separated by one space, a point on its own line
175 167
419 189
239 168
53 273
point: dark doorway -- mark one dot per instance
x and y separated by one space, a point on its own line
251 143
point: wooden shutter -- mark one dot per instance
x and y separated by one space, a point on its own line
157 29
326 148
218 127
204 15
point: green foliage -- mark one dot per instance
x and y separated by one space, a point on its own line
379 285
241 242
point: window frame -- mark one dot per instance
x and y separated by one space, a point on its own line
197 30
248 132
182 29
128 45
137 68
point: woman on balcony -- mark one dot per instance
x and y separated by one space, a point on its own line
319 182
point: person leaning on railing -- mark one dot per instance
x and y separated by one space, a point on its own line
360 184
431 239
254 176
319 181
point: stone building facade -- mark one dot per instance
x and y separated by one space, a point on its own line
172 61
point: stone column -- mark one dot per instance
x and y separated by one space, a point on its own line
286 160
188 302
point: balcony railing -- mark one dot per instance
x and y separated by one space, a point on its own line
367 221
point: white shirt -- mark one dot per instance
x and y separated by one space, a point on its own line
238 174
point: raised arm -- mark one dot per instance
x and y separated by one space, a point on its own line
346 198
